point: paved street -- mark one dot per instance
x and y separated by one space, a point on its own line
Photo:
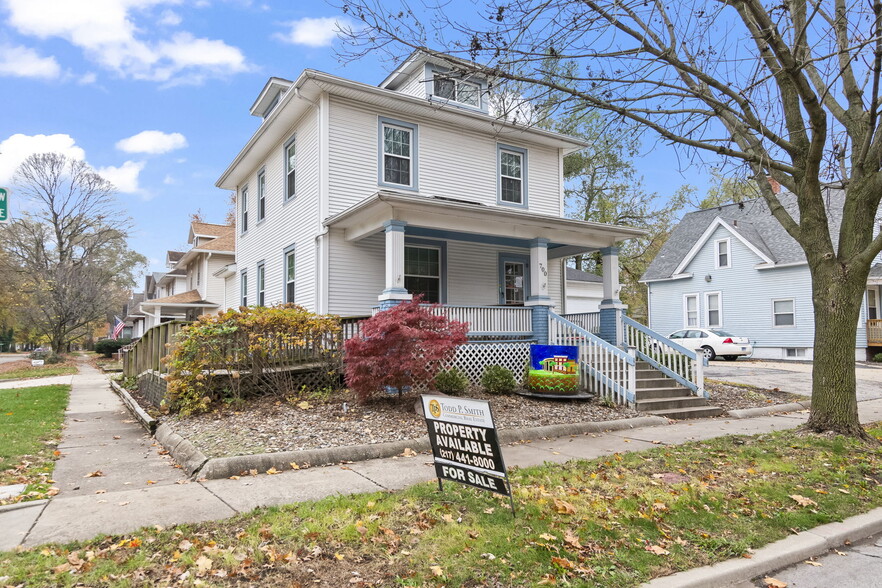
794 377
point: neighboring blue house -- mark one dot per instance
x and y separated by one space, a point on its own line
736 268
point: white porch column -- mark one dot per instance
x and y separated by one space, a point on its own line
611 308
610 274
539 274
394 291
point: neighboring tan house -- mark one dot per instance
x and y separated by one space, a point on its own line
734 267
584 291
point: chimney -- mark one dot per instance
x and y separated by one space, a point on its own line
776 187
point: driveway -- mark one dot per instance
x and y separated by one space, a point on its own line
794 377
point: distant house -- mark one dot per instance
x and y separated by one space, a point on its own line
583 291
734 267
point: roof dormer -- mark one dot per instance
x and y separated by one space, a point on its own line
269 96
442 79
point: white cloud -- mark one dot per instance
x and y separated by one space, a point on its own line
17 148
107 32
153 142
87 78
314 32
169 180
24 62
170 18
124 177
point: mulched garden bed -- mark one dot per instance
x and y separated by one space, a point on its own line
270 424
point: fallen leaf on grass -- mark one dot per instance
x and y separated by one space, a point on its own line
572 540
843 490
203 564
489 510
803 501
548 537
436 570
95 474
657 549
774 583
304 405
563 507
563 562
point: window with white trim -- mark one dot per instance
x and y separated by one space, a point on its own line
690 310
511 176
456 90
397 155
723 254
793 352
783 313
872 305
422 272
290 169
261 275
243 287
261 196
243 197
289 275
713 309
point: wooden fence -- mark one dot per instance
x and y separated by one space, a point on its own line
148 351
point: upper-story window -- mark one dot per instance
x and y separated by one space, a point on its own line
261 285
289 274
457 90
261 196
243 287
398 154
722 259
512 175
290 168
243 207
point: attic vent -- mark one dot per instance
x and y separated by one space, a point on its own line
460 200
734 223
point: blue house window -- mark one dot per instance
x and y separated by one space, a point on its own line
512 168
398 151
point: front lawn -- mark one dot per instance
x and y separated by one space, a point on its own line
30 428
614 521
24 370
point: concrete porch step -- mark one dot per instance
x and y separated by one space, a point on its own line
655 404
656 382
698 412
662 392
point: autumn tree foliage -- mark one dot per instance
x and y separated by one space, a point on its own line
403 346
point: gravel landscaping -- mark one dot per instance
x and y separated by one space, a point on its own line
270 425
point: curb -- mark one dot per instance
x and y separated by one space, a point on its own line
147 421
746 413
19 505
779 554
224 467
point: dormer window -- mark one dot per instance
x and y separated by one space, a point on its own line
457 90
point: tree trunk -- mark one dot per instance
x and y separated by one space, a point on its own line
837 295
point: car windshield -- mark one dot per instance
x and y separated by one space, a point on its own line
721 333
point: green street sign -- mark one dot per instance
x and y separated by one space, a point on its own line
4 205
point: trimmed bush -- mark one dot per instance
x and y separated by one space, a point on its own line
108 347
878 358
498 380
452 382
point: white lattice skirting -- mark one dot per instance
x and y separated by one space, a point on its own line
472 358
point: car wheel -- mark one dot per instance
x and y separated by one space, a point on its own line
730 357
709 352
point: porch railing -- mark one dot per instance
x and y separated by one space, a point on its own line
605 369
147 352
590 321
508 322
670 358
874 331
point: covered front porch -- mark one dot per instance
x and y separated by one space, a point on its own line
180 307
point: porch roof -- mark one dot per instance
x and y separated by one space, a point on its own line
184 300
465 221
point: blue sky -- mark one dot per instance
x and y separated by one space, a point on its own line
155 95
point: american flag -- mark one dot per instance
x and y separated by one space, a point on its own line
118 327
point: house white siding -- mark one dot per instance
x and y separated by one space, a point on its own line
294 222
451 162
415 84
215 288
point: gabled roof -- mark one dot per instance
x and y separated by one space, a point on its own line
207 230
172 257
192 298
270 93
225 243
417 60
575 275
751 222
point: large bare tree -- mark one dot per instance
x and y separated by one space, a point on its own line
790 90
68 249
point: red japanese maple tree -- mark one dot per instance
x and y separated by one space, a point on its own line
402 346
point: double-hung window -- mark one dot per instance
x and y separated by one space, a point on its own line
398 154
456 90
261 196
512 175
713 307
290 169
289 274
690 310
243 287
422 272
723 257
783 313
243 196
261 275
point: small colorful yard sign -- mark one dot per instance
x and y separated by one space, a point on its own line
554 369
464 443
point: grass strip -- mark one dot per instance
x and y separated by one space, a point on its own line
30 428
614 521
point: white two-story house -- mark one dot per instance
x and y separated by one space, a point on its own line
352 197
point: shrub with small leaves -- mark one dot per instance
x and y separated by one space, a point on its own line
108 347
498 380
452 382
878 358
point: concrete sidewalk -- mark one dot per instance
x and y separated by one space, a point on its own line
139 486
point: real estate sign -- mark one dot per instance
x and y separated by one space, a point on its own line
4 205
464 443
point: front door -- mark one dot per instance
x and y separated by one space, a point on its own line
515 283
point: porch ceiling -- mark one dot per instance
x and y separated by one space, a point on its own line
463 221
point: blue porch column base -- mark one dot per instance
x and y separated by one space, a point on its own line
611 329
540 323
389 303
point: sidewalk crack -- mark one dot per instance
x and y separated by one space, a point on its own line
368 479
230 506
34 524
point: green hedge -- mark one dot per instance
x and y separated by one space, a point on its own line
108 347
